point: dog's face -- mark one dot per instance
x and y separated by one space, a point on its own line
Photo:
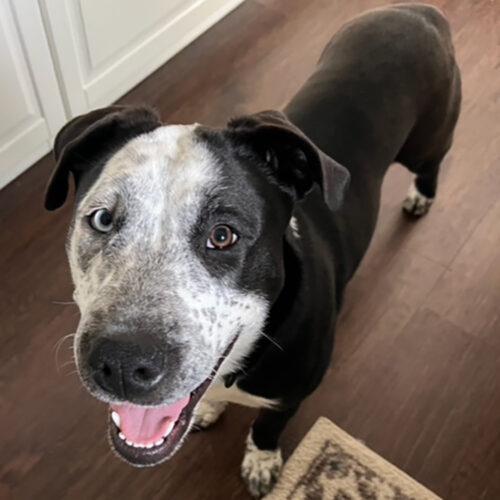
175 251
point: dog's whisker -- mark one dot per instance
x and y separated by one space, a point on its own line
62 339
70 362
67 363
272 340
58 346
63 303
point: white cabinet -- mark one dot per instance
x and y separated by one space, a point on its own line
105 47
31 109
61 58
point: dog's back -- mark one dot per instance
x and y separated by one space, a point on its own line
386 89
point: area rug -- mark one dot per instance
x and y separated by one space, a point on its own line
330 464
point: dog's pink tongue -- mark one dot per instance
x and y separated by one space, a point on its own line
147 425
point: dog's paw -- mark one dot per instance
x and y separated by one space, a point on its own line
207 413
260 468
416 203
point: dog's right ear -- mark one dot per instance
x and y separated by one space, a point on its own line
88 141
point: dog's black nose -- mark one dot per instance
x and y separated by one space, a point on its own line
127 366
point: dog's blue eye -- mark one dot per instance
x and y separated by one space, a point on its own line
221 237
101 220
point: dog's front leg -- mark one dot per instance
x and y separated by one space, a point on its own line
208 412
262 461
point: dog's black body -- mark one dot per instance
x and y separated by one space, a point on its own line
387 90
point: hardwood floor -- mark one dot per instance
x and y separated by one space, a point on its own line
416 371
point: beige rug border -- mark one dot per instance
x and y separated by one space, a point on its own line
306 451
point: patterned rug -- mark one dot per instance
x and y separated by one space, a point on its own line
330 464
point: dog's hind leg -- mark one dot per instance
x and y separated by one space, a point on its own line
426 165
262 462
435 135
423 189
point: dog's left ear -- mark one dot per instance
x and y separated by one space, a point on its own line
291 157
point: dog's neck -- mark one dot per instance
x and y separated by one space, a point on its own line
285 302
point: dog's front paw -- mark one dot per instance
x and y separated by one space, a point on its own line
416 203
207 413
260 468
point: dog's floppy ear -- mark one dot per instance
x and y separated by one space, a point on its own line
292 158
87 141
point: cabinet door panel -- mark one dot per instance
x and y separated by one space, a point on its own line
103 48
136 23
26 91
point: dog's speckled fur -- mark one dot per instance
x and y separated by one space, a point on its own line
156 185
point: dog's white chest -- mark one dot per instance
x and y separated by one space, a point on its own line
218 392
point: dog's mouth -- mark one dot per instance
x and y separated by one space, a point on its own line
147 436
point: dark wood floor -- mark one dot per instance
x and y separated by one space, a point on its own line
416 372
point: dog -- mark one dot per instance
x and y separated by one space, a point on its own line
209 264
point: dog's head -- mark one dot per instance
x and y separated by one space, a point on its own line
176 253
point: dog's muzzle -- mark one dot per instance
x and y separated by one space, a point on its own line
131 368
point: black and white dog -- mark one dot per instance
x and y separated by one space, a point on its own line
209 264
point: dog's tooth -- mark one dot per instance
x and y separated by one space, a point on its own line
116 418
129 442
169 429
122 436
159 442
150 445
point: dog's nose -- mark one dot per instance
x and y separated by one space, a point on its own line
127 366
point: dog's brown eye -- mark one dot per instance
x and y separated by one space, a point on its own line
221 237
